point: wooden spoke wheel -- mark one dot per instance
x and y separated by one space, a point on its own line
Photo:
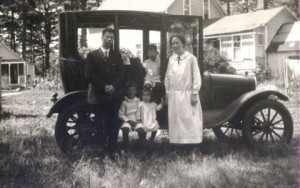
78 126
267 124
230 131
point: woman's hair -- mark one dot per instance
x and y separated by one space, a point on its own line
180 37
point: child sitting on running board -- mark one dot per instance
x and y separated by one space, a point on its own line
148 110
129 114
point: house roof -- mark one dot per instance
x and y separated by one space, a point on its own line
242 22
136 5
287 38
7 54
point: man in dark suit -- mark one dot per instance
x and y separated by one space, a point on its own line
105 75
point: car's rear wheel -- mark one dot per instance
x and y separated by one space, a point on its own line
230 131
267 124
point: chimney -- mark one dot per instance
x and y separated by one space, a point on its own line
262 5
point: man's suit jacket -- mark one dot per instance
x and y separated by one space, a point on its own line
100 72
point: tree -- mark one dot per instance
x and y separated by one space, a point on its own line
292 5
244 6
25 7
228 5
83 41
30 26
35 40
82 5
9 21
17 27
49 12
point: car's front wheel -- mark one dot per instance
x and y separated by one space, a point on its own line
267 124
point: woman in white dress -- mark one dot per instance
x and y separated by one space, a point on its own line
183 82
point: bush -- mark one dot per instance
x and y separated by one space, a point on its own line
214 62
262 73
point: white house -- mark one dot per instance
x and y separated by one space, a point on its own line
207 8
244 38
283 54
13 68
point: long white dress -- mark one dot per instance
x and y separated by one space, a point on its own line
182 80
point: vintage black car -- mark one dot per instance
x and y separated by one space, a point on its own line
232 106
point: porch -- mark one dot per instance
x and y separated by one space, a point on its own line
13 73
244 67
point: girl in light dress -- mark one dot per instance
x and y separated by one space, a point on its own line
148 110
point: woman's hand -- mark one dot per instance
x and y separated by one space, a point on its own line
194 99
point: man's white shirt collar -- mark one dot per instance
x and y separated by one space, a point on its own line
104 50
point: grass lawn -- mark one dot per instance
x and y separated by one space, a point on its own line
29 157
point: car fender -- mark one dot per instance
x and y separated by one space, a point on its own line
241 104
67 100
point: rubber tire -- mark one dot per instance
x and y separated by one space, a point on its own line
223 137
248 125
61 134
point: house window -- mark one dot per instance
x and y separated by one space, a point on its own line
187 7
260 39
247 47
205 9
226 47
237 47
294 57
4 70
214 42
21 69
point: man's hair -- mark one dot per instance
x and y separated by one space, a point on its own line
152 47
107 30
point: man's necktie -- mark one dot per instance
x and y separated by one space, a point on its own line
106 54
